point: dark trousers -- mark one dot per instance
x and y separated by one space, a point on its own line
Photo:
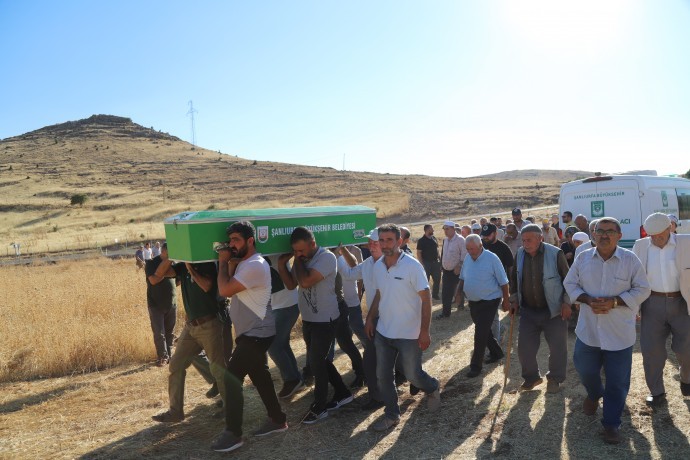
482 313
318 337
450 283
343 335
433 271
250 357
534 321
369 355
162 325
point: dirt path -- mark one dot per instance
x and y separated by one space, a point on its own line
107 415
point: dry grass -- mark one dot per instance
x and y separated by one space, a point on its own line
106 414
135 177
72 317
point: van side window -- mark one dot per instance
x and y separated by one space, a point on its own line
683 203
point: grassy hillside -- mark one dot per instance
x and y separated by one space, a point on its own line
133 177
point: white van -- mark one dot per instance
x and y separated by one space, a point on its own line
630 199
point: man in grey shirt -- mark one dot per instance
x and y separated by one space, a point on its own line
314 272
245 276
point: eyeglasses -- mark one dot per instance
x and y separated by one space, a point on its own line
608 233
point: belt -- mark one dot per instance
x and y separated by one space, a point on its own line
666 294
201 320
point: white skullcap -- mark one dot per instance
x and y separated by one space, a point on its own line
656 223
476 226
674 219
449 223
582 237
374 235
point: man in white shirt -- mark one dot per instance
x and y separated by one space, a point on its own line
245 276
156 249
148 254
452 255
402 305
350 269
609 282
666 259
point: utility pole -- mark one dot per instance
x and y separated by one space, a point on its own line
343 162
191 113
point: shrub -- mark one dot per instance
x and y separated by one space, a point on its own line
79 198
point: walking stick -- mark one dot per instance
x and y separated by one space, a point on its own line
506 367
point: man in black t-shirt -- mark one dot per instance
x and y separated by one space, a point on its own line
427 254
491 243
162 304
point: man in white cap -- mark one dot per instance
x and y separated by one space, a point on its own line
452 255
590 243
674 222
349 269
666 259
476 228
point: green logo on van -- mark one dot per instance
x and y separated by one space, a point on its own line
664 199
597 209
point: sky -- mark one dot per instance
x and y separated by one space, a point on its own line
444 88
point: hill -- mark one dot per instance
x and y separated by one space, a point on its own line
134 176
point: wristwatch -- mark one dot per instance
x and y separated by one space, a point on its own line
615 302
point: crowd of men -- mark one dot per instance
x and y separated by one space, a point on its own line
541 273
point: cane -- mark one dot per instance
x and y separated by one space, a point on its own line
506 367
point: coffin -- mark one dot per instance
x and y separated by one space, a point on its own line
191 235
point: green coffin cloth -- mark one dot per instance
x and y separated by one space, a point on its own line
190 235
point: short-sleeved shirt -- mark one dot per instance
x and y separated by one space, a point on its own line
283 298
429 247
148 254
350 291
400 307
197 302
319 304
503 252
483 277
250 309
161 296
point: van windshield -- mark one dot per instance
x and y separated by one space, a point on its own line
683 203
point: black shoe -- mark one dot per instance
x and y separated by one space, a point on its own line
337 403
442 316
685 388
494 359
213 391
473 373
435 297
308 379
314 415
357 383
657 400
399 378
290 388
372 405
413 389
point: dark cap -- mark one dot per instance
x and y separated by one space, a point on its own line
164 245
488 229
516 211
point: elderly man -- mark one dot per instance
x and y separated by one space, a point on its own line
666 259
452 255
245 276
609 282
350 269
590 243
402 305
476 228
536 288
549 232
512 238
465 231
581 223
427 254
491 242
484 281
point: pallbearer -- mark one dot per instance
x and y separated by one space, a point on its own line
245 276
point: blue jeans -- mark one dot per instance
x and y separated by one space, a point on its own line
369 355
410 356
617 367
280 351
